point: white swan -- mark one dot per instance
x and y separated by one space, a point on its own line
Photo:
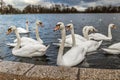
78 38
113 49
27 40
28 50
72 57
22 30
91 44
99 36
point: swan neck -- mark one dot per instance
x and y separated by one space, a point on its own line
86 34
27 27
61 49
109 32
73 37
18 40
37 34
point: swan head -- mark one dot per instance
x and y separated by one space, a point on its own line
59 26
90 29
69 26
10 29
27 21
39 23
113 26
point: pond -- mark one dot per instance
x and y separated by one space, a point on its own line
100 21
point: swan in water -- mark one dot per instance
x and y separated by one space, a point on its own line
91 44
28 40
22 30
28 50
99 36
72 57
113 49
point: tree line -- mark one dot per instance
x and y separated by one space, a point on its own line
57 8
103 9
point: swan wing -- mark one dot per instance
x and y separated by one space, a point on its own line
98 36
74 56
29 50
115 46
111 51
92 45
22 30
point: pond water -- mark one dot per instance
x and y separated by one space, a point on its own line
100 21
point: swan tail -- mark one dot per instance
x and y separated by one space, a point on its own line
11 44
56 44
47 47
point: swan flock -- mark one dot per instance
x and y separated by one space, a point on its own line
79 45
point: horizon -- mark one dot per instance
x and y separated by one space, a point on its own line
80 5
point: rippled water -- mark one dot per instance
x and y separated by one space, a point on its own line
100 21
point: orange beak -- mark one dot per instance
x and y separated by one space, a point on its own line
56 28
114 27
8 32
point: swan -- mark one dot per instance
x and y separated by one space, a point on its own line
113 49
91 44
79 38
72 57
99 36
28 50
27 40
22 30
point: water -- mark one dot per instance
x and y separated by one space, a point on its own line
99 21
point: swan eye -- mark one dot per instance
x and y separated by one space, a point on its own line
68 27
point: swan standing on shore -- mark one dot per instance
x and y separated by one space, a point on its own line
27 40
99 36
22 30
28 50
72 57
91 44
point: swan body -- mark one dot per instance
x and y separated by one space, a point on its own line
27 40
22 30
113 49
99 36
69 59
28 50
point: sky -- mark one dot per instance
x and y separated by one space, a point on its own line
79 4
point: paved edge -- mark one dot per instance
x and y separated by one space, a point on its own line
25 71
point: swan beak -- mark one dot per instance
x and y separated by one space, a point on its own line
9 31
57 28
114 27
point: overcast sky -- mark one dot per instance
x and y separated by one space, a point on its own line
79 4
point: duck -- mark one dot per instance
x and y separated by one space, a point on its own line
22 30
113 49
25 40
28 50
99 36
73 56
